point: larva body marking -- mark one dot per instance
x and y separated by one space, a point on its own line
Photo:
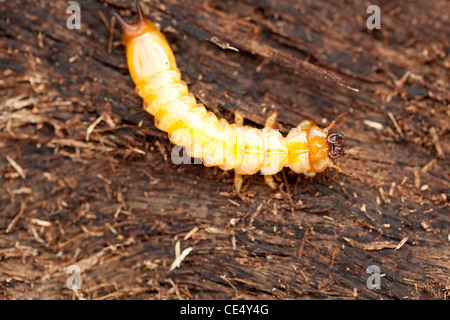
306 149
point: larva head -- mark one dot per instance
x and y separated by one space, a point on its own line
308 148
148 52
324 148
335 147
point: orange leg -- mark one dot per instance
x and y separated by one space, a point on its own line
270 123
333 123
332 165
270 181
310 173
271 120
305 125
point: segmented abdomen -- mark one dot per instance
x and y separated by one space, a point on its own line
217 143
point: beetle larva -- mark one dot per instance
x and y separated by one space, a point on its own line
307 148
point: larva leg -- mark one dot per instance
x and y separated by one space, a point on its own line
332 165
238 179
270 181
327 129
238 118
305 125
271 120
270 123
309 173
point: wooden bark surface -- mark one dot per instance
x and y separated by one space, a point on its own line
86 178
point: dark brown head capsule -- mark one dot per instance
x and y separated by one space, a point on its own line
335 147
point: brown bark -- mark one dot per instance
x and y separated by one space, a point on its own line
87 179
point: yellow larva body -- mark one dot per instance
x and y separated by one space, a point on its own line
245 149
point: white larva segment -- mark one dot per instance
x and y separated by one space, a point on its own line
275 151
151 84
253 155
299 136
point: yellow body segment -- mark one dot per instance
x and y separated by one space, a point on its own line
245 149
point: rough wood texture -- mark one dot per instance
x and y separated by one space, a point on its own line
87 179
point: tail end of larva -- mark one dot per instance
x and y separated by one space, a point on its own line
142 25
